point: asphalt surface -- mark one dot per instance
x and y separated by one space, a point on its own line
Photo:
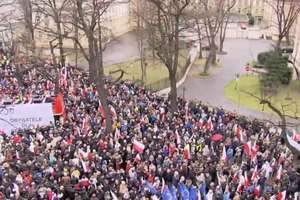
121 49
211 89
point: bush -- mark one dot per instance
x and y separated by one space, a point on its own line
277 68
262 57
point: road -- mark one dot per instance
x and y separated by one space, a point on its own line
211 89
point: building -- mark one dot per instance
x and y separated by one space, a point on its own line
116 21
254 7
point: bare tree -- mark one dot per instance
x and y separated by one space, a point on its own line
286 12
89 19
30 23
213 20
165 32
139 13
53 11
286 120
225 19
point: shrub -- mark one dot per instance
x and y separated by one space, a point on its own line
277 68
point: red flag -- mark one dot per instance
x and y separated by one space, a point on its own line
59 105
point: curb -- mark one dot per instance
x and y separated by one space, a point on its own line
193 55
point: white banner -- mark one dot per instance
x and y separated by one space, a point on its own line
25 116
292 142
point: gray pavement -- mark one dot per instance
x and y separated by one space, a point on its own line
121 49
211 89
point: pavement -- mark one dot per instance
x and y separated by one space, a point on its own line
211 89
121 49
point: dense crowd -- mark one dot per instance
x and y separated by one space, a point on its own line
200 152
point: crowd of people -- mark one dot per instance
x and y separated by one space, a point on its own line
197 153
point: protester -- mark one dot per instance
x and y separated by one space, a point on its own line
151 154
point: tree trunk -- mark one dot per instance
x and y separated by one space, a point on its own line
278 43
199 38
213 52
100 82
288 40
52 53
207 63
60 44
92 60
173 92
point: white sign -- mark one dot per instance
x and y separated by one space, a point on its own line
25 116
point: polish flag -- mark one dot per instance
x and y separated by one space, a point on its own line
254 176
85 167
138 146
85 124
17 155
186 152
200 123
254 150
281 195
137 158
117 134
257 191
224 156
241 183
279 173
295 136
178 138
209 125
247 181
247 148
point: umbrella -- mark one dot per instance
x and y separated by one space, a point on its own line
217 137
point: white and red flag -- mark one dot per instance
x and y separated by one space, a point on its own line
281 195
209 125
224 155
254 177
257 191
138 146
279 173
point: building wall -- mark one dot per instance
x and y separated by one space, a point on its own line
116 22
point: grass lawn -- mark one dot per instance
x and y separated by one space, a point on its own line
156 72
287 96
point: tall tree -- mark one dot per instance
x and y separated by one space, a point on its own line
225 20
89 19
30 23
165 29
53 11
286 12
213 20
